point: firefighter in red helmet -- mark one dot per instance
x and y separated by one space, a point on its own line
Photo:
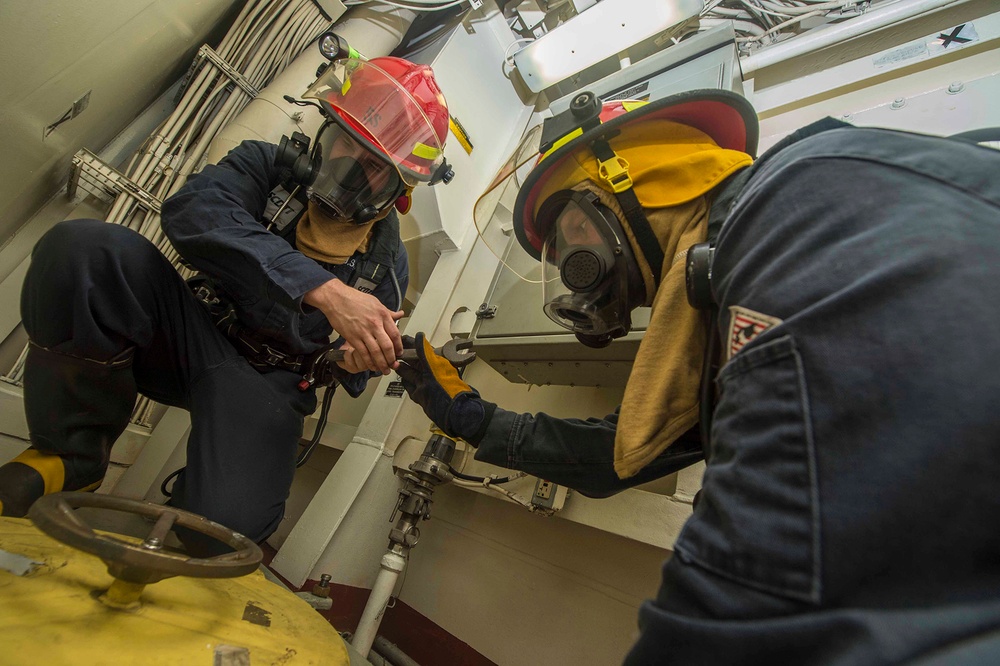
297 249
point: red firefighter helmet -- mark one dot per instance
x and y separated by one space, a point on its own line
393 103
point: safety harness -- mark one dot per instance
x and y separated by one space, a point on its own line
264 352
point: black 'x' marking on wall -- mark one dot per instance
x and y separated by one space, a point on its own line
953 37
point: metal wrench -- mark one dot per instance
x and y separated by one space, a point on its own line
453 351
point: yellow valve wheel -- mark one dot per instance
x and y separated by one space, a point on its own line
146 562
56 606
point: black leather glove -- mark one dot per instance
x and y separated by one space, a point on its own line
434 384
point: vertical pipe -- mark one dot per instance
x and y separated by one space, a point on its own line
392 565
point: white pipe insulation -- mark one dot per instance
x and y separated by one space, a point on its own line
390 567
373 29
819 38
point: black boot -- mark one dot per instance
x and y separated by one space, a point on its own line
76 409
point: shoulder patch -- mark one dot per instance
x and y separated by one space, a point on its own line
744 326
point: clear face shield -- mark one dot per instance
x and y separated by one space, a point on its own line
492 212
585 268
355 179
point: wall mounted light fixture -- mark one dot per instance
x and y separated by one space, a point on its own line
607 28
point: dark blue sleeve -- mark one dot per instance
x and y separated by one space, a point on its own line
213 221
575 453
387 293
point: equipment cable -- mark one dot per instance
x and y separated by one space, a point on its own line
324 412
328 395
163 486
483 479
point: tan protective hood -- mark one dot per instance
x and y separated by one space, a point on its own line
329 239
661 397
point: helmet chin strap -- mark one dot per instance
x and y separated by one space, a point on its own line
615 172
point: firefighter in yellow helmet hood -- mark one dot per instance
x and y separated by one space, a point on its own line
821 332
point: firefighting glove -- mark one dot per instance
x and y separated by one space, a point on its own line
434 384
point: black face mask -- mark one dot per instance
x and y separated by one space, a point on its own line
596 286
354 179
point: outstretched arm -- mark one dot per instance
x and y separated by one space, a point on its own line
575 453
390 293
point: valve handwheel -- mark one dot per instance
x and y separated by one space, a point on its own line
146 562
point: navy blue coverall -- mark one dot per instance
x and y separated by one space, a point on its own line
849 509
118 292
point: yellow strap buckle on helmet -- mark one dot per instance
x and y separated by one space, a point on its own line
614 172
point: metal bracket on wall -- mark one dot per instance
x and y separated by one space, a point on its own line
105 182
207 52
78 107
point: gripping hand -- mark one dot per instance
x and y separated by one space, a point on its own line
434 384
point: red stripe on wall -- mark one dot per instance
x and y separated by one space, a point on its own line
422 640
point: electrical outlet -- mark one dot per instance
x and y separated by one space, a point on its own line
544 495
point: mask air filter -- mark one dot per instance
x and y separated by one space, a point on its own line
582 270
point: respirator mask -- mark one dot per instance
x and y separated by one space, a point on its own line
354 179
586 261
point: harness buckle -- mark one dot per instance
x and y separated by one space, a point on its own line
614 171
274 357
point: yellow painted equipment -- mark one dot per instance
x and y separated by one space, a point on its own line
51 612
